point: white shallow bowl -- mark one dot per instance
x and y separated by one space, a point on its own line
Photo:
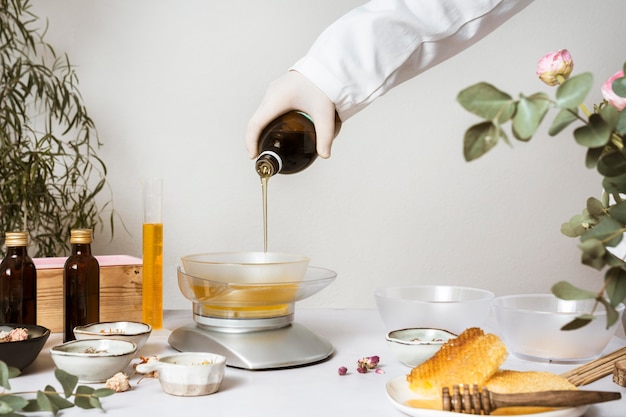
445 307
530 325
414 346
119 330
93 360
188 374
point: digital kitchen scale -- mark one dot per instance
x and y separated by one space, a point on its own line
250 323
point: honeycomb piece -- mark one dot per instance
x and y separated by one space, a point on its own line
471 358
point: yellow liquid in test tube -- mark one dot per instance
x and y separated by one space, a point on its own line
153 274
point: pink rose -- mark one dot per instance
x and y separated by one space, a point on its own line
609 95
555 67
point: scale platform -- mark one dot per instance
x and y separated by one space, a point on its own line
285 347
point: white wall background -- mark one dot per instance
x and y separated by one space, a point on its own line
171 85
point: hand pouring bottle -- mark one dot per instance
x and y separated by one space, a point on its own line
288 144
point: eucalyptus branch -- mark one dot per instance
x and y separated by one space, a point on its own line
49 399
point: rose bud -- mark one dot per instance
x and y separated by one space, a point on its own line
555 67
342 370
609 95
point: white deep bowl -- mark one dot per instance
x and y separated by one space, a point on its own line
446 307
414 346
93 360
530 325
188 374
119 330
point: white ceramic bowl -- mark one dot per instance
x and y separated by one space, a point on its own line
530 326
414 346
119 330
188 374
445 307
93 360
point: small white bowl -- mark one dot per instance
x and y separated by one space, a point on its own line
119 330
188 374
416 345
93 360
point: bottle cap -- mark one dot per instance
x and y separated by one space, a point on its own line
13 239
81 236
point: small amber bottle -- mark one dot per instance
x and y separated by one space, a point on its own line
288 144
81 284
18 282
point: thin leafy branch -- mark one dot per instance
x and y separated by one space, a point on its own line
48 399
601 225
51 178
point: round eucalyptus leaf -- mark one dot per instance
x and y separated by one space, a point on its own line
530 112
479 139
572 92
564 118
595 134
487 102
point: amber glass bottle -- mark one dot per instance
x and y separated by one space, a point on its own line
18 282
81 284
288 144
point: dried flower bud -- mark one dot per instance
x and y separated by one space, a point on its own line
342 370
118 382
361 369
555 67
369 362
379 371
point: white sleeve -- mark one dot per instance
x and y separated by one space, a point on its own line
383 43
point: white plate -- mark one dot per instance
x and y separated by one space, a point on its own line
399 393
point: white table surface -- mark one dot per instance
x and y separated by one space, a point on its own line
315 390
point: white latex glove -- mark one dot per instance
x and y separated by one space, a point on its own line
293 91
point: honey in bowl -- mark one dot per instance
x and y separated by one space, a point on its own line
243 284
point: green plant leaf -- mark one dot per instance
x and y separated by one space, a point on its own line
564 118
487 102
479 139
593 252
611 163
615 279
592 157
618 212
5 408
578 322
610 115
620 127
530 112
59 402
608 230
611 314
4 376
595 208
14 402
616 184
573 91
83 395
68 381
567 291
595 134
103 392
45 404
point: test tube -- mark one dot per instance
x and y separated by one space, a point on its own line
152 294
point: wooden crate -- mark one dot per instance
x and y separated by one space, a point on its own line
120 290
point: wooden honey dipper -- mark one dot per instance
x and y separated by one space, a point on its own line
483 401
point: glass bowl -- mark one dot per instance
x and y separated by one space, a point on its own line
445 307
247 267
530 325
250 300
